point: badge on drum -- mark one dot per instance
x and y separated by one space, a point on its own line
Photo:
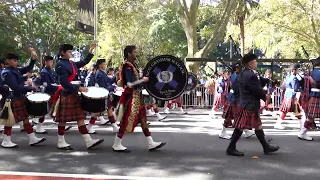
167 77
192 81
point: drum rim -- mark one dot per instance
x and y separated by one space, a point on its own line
93 87
42 101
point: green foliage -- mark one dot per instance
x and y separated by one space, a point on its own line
279 28
40 24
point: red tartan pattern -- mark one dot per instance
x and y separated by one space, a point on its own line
288 105
70 109
218 101
230 110
313 108
227 123
19 110
305 93
247 119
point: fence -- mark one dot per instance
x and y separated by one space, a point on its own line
199 98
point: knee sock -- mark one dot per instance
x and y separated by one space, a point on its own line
61 130
41 120
7 130
146 132
28 128
83 129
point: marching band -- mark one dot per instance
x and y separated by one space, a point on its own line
61 93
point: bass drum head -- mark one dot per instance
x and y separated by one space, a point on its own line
38 97
192 81
167 77
96 93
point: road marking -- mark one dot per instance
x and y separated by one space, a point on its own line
54 176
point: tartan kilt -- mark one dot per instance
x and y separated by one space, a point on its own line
304 101
288 105
19 109
313 107
217 100
224 100
70 109
247 119
230 110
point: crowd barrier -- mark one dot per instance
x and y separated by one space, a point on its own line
200 98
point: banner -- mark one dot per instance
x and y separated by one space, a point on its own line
85 16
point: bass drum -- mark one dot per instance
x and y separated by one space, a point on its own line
192 81
95 100
168 77
37 104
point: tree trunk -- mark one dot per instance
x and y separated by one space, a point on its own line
188 17
241 26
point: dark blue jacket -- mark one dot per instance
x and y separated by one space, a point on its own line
64 70
14 79
316 77
90 80
251 90
50 77
105 81
234 95
128 76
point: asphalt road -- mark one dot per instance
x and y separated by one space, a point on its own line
193 151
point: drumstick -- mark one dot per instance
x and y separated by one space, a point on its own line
135 83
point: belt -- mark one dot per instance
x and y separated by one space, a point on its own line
315 90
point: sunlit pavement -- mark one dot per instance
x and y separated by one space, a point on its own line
193 151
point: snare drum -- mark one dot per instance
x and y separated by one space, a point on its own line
94 101
37 105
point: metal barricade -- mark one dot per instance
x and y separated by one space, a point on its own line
200 98
277 97
197 98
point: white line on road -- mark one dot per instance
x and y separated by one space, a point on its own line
90 176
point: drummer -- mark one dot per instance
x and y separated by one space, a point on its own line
103 81
89 82
69 108
12 76
49 79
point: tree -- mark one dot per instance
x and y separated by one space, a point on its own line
166 34
188 13
123 22
242 11
298 18
40 24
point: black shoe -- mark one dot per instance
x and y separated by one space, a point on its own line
271 149
234 152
